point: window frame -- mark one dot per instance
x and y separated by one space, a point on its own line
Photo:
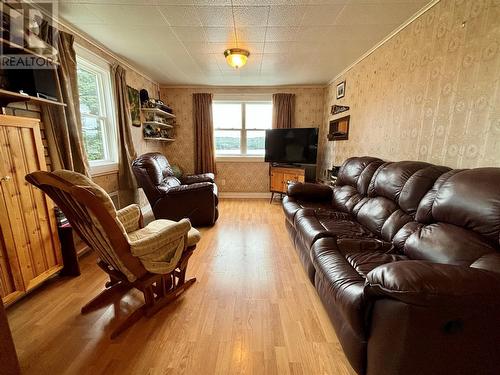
242 155
96 64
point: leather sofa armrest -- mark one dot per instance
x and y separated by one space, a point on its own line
309 191
194 178
425 283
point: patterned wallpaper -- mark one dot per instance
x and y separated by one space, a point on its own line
233 176
430 93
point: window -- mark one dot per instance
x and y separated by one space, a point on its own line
240 127
98 122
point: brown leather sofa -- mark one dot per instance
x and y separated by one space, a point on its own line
193 196
405 257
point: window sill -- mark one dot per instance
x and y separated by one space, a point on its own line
240 159
97 170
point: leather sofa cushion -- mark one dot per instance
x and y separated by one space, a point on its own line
291 206
345 275
394 195
466 198
365 262
314 224
446 243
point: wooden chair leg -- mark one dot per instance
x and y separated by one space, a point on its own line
173 295
102 299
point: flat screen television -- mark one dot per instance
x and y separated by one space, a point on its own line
292 146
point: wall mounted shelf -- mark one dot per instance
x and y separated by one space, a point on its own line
161 139
158 112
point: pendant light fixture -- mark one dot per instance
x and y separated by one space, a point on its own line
236 57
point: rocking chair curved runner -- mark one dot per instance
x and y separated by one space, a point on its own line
152 258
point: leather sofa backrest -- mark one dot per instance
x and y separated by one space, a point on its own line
154 174
459 220
394 194
353 180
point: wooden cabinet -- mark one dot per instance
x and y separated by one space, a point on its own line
29 246
280 177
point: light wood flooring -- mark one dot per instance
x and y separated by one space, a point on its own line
252 311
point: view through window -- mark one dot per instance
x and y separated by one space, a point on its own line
94 88
240 127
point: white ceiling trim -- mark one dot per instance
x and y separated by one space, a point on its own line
385 40
94 43
215 87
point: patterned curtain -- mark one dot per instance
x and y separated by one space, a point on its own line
283 111
204 133
127 185
63 124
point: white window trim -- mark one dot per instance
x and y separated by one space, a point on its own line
94 62
242 99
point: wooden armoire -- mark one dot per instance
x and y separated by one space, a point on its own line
29 245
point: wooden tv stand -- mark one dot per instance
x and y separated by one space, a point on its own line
281 176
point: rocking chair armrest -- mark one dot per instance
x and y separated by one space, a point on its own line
130 217
158 239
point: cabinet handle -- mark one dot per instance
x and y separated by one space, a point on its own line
5 178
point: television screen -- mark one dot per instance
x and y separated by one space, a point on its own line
296 145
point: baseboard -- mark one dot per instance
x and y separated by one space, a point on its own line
246 195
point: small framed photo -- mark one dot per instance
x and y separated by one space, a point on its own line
341 90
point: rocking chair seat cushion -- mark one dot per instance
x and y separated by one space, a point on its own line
160 244
157 225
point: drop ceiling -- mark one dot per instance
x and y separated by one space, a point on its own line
291 42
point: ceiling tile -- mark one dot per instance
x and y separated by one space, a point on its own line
212 2
321 15
190 33
286 15
80 14
305 41
215 16
281 34
205 48
251 34
371 14
128 15
251 16
180 15
220 34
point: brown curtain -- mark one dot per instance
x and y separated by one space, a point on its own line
204 133
283 111
127 185
63 125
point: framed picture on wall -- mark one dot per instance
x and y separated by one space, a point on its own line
135 106
341 90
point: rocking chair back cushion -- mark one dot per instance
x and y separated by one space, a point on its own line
93 216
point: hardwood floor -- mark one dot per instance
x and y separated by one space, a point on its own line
252 311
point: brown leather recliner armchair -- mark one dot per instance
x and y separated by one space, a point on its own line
193 196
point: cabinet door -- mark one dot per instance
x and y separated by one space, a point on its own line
27 221
277 181
291 177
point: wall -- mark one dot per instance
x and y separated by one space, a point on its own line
238 176
430 93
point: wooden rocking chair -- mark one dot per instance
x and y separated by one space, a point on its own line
152 259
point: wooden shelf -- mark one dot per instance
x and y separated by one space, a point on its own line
158 111
28 51
159 124
7 96
161 139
